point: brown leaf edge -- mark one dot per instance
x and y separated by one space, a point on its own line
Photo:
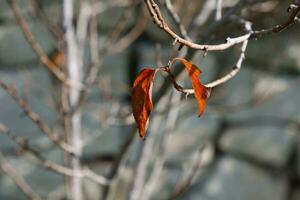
201 92
141 99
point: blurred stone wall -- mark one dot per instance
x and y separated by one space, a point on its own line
253 120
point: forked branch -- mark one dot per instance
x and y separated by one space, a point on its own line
158 19
50 165
35 118
10 171
44 59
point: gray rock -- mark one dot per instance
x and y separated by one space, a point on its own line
278 99
268 144
231 179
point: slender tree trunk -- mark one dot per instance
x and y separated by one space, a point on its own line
75 72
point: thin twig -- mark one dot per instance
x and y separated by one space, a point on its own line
214 47
44 59
38 12
201 37
177 19
36 119
146 153
129 38
159 20
10 171
278 28
94 69
234 71
203 14
184 183
50 165
217 82
178 87
94 40
158 167
117 29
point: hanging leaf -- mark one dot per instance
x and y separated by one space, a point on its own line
141 99
201 92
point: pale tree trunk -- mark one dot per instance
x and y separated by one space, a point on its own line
74 66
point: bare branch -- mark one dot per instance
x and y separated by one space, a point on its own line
158 167
135 32
146 153
93 71
234 71
38 12
186 181
177 19
10 171
50 165
159 20
94 42
44 59
35 118
276 29
215 83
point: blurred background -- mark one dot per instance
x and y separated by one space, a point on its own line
245 146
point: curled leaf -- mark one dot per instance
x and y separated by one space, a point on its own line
201 92
141 99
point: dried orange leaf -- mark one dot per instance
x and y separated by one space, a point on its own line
141 99
201 92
